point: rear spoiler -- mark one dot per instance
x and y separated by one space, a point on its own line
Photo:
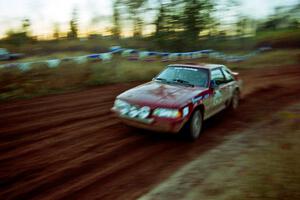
234 73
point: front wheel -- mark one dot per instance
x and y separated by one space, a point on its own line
235 100
195 125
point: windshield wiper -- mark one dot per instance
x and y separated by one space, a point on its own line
183 82
161 79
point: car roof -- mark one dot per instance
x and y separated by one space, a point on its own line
201 65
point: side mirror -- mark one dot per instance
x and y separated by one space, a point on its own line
213 85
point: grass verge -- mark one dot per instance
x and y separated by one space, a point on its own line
41 80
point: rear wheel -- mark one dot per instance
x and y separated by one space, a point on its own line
195 125
235 100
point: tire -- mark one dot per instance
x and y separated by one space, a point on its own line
234 103
195 124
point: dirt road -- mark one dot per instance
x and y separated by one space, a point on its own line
70 147
263 165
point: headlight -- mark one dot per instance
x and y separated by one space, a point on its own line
122 106
132 111
169 113
144 112
120 103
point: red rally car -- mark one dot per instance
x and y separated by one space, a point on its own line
181 96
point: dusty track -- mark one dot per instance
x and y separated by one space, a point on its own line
70 147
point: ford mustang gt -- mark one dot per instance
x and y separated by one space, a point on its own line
181 97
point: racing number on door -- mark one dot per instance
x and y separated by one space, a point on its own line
229 83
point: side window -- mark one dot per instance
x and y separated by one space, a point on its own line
228 75
218 76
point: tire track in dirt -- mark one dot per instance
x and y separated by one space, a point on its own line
50 121
47 140
35 114
85 164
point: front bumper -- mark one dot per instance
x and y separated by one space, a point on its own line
153 123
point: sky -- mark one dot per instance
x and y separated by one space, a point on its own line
93 14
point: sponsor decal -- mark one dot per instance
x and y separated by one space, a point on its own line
187 68
217 98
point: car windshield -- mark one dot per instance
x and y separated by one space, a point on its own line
184 75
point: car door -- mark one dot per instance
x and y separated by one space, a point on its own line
229 84
219 92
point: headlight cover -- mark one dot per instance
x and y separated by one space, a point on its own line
144 112
132 111
166 112
120 103
122 106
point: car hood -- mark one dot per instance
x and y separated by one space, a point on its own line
156 94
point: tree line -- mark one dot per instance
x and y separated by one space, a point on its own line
180 22
174 19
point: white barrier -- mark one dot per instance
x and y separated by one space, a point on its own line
140 55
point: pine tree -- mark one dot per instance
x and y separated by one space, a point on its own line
116 30
73 34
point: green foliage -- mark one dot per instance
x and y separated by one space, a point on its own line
21 37
135 9
17 38
283 18
273 58
41 80
179 22
283 38
195 17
